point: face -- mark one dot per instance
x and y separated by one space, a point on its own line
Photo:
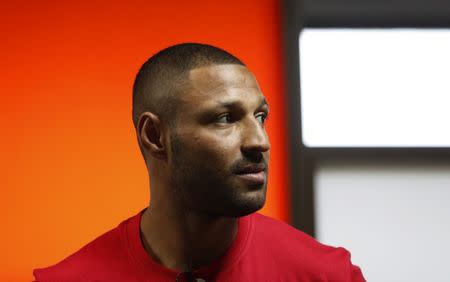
219 147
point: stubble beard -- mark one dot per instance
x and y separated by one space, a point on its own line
207 190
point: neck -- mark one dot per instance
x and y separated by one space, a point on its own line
184 240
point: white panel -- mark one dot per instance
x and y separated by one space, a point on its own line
395 219
375 87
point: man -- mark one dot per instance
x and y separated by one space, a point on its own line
199 116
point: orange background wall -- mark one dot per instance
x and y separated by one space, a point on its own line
70 164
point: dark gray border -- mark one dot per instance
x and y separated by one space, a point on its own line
300 162
343 13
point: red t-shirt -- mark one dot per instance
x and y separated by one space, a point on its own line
263 250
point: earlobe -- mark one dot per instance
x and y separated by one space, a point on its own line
150 135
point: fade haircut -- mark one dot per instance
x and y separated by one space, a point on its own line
162 77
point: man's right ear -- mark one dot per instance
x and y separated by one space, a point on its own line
151 135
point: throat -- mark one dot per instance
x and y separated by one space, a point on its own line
188 242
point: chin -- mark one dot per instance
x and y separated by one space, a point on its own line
246 204
248 210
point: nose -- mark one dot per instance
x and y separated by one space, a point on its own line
254 139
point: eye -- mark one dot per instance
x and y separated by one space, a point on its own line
261 117
224 118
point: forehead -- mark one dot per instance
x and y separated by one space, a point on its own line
219 83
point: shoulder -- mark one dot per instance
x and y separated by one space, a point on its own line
266 228
294 249
106 250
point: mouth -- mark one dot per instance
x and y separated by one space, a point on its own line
254 174
256 178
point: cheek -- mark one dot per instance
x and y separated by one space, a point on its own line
214 149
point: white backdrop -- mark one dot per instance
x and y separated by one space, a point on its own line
394 218
375 87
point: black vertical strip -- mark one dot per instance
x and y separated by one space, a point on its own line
307 199
300 165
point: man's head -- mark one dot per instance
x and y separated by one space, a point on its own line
199 116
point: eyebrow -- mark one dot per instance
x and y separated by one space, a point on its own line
229 104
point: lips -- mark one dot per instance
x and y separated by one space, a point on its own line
254 174
251 168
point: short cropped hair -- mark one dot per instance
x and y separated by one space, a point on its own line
162 76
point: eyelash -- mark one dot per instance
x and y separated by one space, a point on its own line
229 115
264 117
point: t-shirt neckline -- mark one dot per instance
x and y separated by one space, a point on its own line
223 264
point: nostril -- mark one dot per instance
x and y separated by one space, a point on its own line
253 156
